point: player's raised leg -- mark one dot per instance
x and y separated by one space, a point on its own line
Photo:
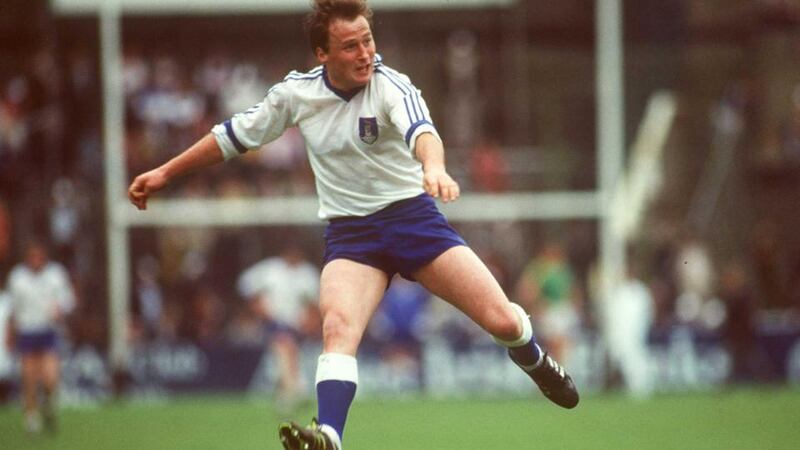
462 279
349 294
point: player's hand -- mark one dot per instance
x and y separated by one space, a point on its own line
144 185
438 184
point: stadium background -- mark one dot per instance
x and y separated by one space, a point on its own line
512 89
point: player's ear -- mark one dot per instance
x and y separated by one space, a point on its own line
322 55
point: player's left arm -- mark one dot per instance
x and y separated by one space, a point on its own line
435 179
409 113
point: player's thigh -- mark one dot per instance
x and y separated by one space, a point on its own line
349 294
50 366
31 366
459 277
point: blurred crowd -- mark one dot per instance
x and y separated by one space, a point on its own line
171 103
184 280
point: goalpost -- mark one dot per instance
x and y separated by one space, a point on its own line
121 216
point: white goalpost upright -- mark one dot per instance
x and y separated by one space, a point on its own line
117 250
610 94
121 216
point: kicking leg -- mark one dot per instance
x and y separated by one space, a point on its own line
459 277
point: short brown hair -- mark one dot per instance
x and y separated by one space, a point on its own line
324 11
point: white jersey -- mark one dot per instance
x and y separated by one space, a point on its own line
360 144
284 289
36 297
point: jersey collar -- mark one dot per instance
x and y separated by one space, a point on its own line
345 95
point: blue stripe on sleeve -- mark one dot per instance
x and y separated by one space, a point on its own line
409 90
412 118
313 75
415 100
413 128
386 74
417 108
294 75
408 111
254 108
396 81
419 103
303 77
229 129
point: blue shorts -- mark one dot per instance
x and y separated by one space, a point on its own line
37 342
273 328
400 238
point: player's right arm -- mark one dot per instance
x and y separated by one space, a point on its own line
203 153
251 129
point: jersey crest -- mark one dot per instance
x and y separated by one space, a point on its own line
368 129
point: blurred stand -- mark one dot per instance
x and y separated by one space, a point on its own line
399 326
696 306
547 289
463 100
627 333
488 167
739 332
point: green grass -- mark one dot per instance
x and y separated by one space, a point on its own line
740 419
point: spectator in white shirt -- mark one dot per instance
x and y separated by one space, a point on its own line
283 292
41 295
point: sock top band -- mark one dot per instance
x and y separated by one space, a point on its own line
337 366
527 329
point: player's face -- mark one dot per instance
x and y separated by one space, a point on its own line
36 257
351 51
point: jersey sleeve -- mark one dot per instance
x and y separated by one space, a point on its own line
407 109
257 126
248 283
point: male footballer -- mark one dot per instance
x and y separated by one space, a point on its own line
378 163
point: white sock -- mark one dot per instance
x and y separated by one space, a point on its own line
527 329
331 433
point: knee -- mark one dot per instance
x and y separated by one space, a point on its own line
505 324
284 343
339 333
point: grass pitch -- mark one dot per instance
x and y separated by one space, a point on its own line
739 419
